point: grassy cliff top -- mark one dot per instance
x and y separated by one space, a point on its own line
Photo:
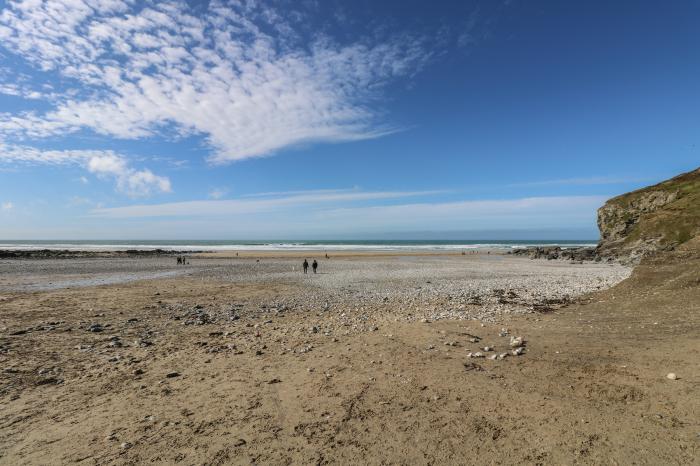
687 184
667 224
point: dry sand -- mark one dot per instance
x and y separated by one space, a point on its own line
231 360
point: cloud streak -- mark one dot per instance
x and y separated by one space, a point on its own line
587 181
335 214
236 74
251 206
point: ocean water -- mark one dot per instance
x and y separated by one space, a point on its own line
282 245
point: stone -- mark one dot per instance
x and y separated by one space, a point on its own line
518 351
95 328
173 374
125 446
671 376
516 342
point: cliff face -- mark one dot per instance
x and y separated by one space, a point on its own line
657 218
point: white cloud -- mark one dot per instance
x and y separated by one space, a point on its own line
338 212
252 206
236 74
104 164
7 206
539 212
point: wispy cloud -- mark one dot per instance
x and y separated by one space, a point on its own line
104 164
7 206
491 213
236 74
584 181
339 212
251 206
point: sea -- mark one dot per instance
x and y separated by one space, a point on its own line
284 245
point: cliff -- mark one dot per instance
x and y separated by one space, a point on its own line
645 222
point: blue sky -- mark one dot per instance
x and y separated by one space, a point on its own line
335 119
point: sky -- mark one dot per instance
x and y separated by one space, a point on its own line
310 119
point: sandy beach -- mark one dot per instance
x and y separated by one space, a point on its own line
247 360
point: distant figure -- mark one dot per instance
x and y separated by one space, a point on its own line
326 255
179 260
305 265
314 265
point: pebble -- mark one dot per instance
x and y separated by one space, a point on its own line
671 376
125 445
516 342
518 351
171 375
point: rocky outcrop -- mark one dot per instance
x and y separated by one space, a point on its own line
654 219
574 254
73 254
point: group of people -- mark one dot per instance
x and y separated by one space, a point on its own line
182 260
305 265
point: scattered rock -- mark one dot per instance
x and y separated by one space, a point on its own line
516 342
671 376
472 366
171 375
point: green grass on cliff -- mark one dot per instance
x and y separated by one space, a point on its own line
676 222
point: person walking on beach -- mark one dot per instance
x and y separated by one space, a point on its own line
305 265
314 265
